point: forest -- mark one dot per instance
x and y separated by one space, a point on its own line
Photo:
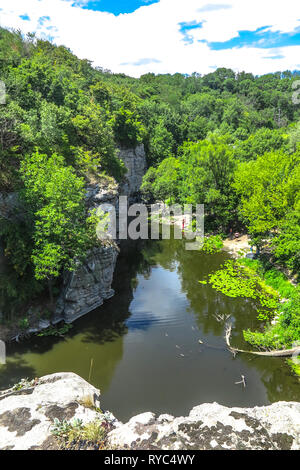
228 140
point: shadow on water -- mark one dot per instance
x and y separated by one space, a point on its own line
141 348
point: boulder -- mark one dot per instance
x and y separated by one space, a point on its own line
214 427
27 412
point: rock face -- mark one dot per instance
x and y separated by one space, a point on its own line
135 162
10 206
215 427
27 415
86 288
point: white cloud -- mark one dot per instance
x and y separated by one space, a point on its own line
151 35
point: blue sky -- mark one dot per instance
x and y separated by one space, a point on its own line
261 38
167 36
117 6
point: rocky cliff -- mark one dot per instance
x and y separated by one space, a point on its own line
85 289
29 410
135 161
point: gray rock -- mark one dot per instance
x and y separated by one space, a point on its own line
86 288
27 415
135 162
212 426
10 207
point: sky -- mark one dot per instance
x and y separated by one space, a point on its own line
167 36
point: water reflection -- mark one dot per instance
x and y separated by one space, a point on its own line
144 342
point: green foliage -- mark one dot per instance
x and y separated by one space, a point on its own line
162 183
294 366
235 280
264 140
201 174
161 144
56 331
61 231
128 130
72 434
212 244
269 189
286 331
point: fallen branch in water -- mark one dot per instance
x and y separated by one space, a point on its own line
243 381
275 353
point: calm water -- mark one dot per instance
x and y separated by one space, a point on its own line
137 340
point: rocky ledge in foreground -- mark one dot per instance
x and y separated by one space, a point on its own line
29 411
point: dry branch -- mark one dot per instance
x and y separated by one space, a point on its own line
274 353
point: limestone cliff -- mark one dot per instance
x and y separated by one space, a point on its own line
135 161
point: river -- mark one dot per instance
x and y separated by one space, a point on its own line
142 349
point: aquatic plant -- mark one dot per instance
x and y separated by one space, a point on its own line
236 280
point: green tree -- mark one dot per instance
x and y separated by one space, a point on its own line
269 200
62 232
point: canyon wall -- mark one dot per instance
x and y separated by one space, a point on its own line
135 161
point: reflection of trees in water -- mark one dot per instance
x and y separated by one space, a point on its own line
275 374
102 331
99 335
14 371
205 302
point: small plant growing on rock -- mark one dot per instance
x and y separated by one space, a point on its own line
75 435
24 383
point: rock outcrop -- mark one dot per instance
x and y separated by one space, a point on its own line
85 289
214 427
10 207
135 161
28 412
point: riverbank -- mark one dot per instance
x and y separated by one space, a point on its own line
64 411
236 245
